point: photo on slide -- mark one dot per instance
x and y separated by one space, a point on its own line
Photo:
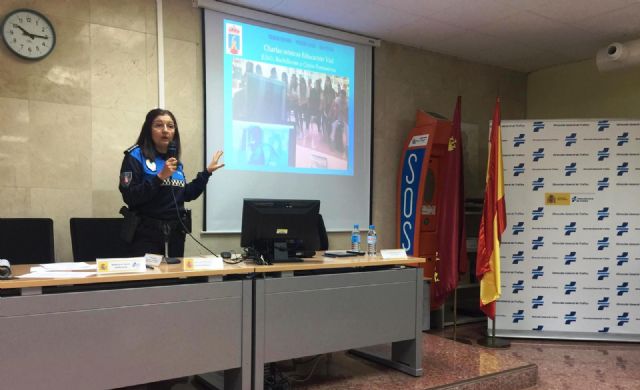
269 95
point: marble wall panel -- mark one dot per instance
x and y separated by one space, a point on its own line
64 76
182 22
59 152
60 205
14 128
113 132
125 14
181 82
15 203
118 68
70 9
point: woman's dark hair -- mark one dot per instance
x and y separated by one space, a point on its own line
145 142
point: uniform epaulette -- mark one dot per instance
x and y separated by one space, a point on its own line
131 149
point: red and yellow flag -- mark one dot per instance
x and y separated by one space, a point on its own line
493 222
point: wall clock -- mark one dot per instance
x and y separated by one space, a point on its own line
28 34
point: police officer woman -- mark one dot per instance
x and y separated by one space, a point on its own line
154 187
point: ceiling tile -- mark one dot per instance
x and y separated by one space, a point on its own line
473 13
619 25
571 12
418 7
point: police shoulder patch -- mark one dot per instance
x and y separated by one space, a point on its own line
130 148
125 178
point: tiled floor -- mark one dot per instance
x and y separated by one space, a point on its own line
563 365
572 364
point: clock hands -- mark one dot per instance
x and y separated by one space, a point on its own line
27 33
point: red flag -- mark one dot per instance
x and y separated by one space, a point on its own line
492 224
451 240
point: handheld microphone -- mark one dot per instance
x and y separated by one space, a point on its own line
172 150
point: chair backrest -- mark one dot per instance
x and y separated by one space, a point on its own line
93 238
26 240
322 231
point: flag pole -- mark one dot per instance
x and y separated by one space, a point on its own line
455 320
491 341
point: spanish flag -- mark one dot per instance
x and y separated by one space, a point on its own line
492 224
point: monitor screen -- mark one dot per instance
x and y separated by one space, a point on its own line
290 225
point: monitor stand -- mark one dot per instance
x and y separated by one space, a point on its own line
281 252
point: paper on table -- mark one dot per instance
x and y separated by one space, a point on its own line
56 275
69 266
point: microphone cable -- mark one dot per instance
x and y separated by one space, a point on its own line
184 227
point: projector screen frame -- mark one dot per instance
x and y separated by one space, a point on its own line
365 115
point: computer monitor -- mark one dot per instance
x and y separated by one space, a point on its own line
280 229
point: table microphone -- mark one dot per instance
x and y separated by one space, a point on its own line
5 269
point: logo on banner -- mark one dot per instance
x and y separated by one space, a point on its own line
623 319
517 286
604 330
518 228
538 154
622 228
537 272
570 169
537 126
518 316
602 214
569 258
537 184
410 182
557 198
570 139
570 288
234 39
622 289
518 140
537 302
538 328
603 243
537 213
570 317
603 273
622 258
517 257
602 184
603 124
603 303
622 139
603 154
622 169
518 169
537 243
570 228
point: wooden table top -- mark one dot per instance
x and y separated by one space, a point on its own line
170 271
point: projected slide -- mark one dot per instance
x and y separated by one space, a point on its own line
288 102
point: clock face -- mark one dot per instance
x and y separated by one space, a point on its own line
28 34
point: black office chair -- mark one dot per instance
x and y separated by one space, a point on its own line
26 240
322 231
93 238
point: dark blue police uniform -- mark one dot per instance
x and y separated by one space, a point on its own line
159 203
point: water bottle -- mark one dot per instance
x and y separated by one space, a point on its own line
372 240
355 238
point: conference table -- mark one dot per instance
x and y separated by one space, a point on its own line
326 304
115 330
107 331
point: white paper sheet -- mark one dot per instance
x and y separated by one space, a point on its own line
69 266
56 275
